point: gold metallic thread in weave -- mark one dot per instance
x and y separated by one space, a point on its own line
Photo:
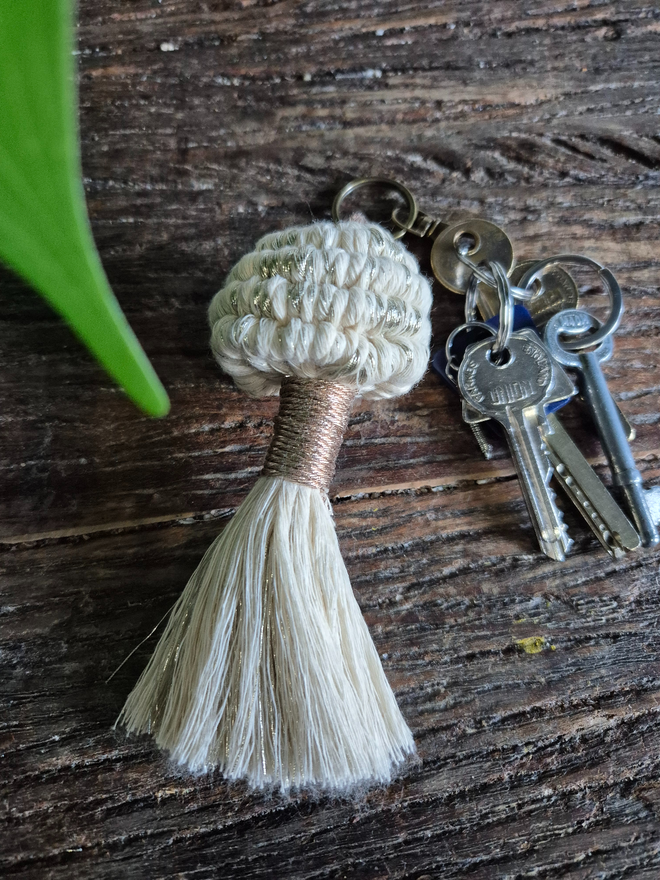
309 430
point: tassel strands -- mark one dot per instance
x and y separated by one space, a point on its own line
266 668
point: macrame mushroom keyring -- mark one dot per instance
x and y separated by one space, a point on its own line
266 668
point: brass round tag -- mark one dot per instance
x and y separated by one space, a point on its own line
477 241
558 291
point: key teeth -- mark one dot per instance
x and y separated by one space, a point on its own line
550 470
609 538
562 542
550 467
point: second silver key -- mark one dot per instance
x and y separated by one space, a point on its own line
604 412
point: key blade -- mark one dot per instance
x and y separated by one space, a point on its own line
534 473
584 488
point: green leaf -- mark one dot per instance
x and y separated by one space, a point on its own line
45 234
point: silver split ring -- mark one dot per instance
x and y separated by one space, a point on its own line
506 313
608 279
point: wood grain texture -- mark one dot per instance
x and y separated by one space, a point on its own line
205 125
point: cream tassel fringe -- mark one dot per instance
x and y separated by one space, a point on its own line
266 668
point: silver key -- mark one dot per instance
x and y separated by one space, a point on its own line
584 488
515 394
604 413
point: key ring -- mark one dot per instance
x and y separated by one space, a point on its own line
471 297
572 322
506 312
385 183
453 366
608 279
506 307
521 293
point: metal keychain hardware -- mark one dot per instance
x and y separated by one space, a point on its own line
572 471
383 182
508 375
464 249
611 285
455 245
564 460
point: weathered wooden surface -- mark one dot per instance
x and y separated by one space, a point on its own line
205 125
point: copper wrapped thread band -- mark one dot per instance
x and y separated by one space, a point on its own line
309 430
